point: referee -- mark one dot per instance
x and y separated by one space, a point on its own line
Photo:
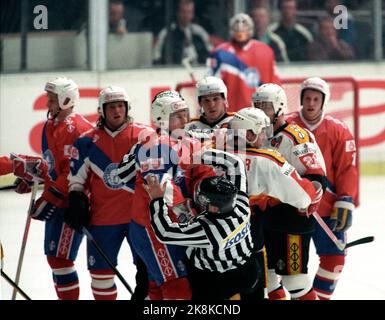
221 264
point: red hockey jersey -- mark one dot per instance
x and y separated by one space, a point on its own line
95 159
174 163
339 151
243 69
57 140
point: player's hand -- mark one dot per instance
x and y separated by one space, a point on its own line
29 168
42 210
314 205
342 214
22 186
77 215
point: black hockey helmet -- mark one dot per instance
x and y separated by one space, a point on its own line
216 191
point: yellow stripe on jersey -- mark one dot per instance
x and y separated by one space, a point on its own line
294 254
299 134
268 152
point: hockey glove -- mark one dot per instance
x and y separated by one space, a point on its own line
23 186
29 168
341 216
77 215
47 204
313 207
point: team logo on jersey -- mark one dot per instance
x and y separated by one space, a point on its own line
276 141
111 178
350 146
70 125
240 233
252 77
48 156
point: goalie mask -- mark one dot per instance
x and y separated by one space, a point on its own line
164 104
113 94
317 84
217 192
241 27
271 92
67 92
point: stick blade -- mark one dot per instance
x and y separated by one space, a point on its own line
360 241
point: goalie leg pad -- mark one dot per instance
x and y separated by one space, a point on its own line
65 278
327 276
103 285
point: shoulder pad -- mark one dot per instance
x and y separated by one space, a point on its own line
298 134
268 153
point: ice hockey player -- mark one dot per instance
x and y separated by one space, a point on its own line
339 151
271 179
287 234
243 63
63 126
211 93
168 156
97 198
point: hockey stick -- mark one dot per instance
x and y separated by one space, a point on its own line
25 237
340 245
14 285
101 252
187 64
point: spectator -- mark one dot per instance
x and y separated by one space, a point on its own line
327 46
261 21
243 63
188 39
295 35
117 23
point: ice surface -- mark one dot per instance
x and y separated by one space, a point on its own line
362 278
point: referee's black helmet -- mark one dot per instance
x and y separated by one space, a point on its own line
218 192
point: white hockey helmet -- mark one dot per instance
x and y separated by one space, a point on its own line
241 23
209 85
66 90
113 94
250 119
271 92
164 104
318 84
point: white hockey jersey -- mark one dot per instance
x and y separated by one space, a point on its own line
299 147
272 179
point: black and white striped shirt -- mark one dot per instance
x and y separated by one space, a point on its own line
216 242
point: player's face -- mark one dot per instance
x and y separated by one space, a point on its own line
312 104
115 113
52 103
178 120
214 106
267 108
